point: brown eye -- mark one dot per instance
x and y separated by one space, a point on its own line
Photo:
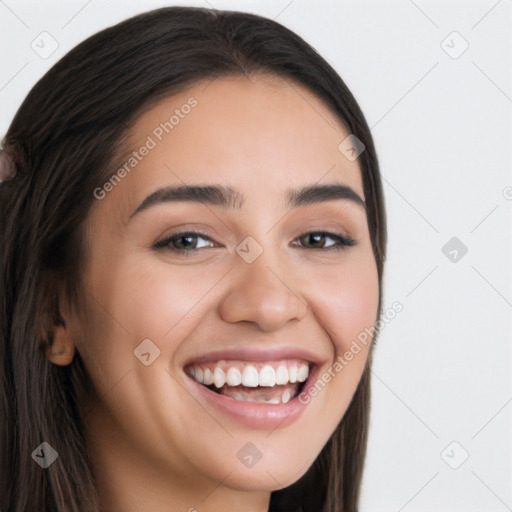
324 240
313 240
184 242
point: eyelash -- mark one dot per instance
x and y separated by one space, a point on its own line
342 241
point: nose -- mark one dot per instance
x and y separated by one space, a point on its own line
263 296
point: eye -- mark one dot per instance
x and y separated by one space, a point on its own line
189 242
325 240
185 242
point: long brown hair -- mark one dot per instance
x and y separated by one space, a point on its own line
63 142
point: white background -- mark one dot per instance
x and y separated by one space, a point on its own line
442 128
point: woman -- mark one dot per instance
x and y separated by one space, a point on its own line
194 239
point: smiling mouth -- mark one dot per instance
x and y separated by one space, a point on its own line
275 382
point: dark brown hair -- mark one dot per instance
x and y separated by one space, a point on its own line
64 141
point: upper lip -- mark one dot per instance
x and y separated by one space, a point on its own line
252 354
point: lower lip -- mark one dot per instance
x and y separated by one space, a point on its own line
252 414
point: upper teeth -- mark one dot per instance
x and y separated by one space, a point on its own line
250 375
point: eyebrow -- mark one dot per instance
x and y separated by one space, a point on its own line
229 198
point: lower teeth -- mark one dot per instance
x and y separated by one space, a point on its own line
266 395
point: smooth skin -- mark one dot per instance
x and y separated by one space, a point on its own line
153 445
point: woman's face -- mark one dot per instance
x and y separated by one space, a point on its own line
227 285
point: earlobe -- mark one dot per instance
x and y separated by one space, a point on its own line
62 349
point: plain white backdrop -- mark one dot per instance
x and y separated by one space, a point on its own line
434 80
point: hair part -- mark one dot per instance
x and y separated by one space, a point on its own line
64 141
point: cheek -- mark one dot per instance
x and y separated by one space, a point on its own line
132 301
158 301
346 300
345 306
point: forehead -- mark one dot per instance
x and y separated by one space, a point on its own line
260 135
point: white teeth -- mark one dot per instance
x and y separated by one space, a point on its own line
303 372
267 376
233 377
219 377
282 375
198 374
286 396
250 377
207 377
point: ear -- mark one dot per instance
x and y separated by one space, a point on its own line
62 349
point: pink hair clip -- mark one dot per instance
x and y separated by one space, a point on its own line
7 169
